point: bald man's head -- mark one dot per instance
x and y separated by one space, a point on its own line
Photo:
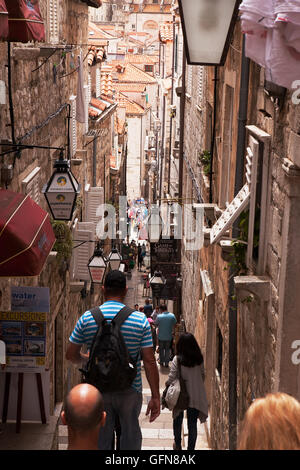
83 408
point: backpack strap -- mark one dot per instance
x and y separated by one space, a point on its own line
97 315
122 315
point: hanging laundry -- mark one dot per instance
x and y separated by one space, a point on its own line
286 6
272 30
25 21
3 20
80 99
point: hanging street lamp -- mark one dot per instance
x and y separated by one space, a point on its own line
114 259
154 224
61 191
97 265
207 29
157 283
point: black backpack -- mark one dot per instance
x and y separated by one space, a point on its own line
110 367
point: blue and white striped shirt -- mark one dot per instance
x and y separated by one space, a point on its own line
136 331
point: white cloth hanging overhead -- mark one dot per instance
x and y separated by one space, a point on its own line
272 30
285 6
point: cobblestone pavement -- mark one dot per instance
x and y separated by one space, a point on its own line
159 434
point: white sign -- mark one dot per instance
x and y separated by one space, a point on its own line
30 299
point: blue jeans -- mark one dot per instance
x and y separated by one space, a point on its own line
127 406
164 351
192 418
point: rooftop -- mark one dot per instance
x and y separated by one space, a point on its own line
131 106
126 72
166 31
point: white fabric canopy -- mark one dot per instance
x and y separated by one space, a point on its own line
272 30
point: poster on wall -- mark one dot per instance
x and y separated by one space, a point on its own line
30 299
24 335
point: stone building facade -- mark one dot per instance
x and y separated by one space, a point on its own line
44 89
241 300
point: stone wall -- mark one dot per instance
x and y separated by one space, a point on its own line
264 335
40 89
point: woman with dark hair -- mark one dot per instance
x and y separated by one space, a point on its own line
188 363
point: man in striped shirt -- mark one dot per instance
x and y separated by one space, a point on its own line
138 338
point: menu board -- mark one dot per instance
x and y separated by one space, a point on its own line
24 335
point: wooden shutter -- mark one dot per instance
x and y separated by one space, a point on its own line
251 175
82 232
98 82
189 79
242 199
73 127
2 92
200 89
31 185
94 198
90 87
53 21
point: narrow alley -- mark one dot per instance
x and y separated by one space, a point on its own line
159 434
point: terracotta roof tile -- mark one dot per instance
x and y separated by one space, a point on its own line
166 31
106 81
98 104
133 74
131 87
96 55
141 59
131 106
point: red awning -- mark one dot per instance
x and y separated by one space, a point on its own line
26 235
25 21
3 20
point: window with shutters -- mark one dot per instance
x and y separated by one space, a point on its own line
73 127
90 86
98 82
254 196
226 155
83 249
31 184
189 81
200 86
53 21
93 207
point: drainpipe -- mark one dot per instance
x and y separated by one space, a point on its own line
95 163
181 139
239 174
212 148
181 150
10 95
172 102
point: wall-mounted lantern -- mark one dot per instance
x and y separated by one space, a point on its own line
207 29
61 191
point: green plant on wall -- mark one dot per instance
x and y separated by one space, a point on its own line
240 245
64 242
205 160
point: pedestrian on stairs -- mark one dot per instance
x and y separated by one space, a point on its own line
84 415
136 334
188 363
271 423
165 322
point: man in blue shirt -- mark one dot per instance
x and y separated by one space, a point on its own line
137 335
148 309
165 322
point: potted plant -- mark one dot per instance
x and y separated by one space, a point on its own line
64 242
